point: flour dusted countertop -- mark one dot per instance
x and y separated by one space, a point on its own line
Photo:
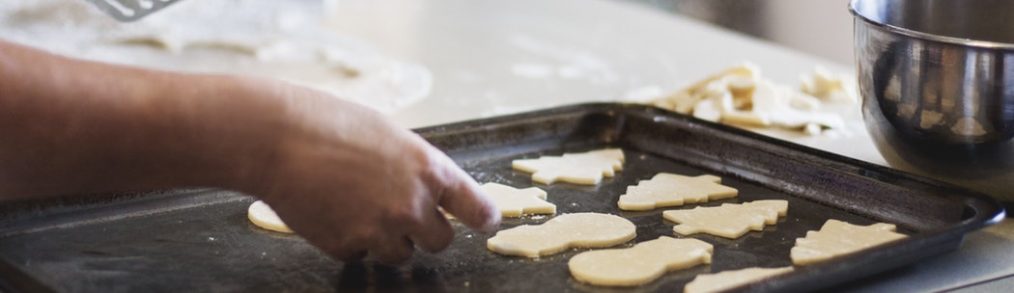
491 58
275 39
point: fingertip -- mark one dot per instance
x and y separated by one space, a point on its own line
461 196
485 214
470 205
491 214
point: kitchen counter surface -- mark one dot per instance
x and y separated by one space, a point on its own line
498 57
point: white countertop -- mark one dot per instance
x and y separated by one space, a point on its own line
493 57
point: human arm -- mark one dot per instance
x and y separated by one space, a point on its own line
339 174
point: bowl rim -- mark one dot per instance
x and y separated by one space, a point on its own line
928 36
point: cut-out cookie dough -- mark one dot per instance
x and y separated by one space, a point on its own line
639 264
728 220
668 190
580 230
718 282
578 168
514 202
261 215
837 238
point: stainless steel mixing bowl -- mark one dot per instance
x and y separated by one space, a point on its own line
937 81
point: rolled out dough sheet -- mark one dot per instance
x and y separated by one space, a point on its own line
728 220
261 215
718 282
579 168
514 202
837 238
579 230
668 190
639 264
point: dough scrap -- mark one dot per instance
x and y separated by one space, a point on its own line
579 230
639 264
718 282
823 84
515 202
837 238
740 96
728 220
579 168
773 105
261 215
667 190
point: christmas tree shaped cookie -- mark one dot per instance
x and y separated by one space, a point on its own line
837 238
578 168
668 190
514 202
728 220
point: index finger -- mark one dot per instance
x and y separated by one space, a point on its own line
460 196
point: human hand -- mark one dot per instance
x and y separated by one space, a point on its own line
351 182
339 174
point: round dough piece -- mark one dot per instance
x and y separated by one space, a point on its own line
261 215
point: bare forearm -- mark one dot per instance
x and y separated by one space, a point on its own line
339 174
70 126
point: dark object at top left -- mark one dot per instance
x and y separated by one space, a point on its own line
131 10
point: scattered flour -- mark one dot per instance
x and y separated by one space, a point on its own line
276 39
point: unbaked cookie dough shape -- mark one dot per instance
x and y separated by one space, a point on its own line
728 220
261 215
718 282
514 202
639 264
579 230
578 168
837 238
668 190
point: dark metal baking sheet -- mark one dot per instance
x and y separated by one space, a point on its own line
200 240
